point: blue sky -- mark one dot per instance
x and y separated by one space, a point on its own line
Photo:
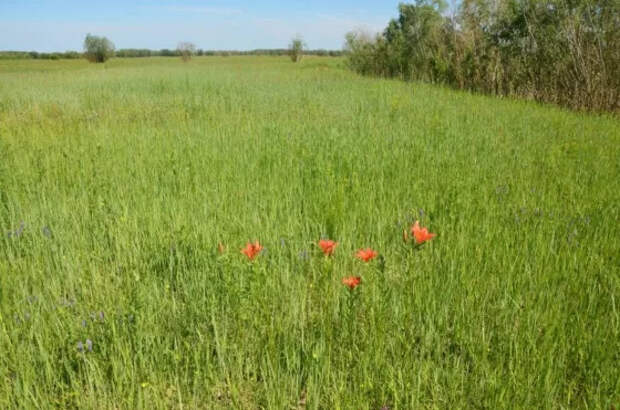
56 25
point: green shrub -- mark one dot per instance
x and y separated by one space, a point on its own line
98 49
296 49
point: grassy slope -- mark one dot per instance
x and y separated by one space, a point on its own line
128 175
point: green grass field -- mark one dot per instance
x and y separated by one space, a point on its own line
118 182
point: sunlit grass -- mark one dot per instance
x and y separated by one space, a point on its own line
118 182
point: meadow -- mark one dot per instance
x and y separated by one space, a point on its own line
128 190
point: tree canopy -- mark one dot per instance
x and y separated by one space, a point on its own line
98 49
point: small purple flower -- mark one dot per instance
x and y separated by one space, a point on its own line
67 302
303 255
83 347
46 231
18 232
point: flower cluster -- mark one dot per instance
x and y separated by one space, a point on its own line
252 250
328 246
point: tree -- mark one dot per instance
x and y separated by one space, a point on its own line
362 50
558 51
98 49
186 50
296 49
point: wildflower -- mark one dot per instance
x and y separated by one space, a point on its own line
421 234
64 302
83 347
352 281
251 250
46 231
366 254
328 246
18 232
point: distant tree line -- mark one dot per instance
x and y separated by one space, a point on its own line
20 55
225 53
560 51
142 52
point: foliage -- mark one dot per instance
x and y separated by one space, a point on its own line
135 52
564 52
296 49
98 49
127 182
186 50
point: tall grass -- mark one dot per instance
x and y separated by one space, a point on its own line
126 177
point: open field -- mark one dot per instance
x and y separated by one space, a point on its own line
118 182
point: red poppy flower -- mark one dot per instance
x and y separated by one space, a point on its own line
328 246
251 250
366 254
421 235
352 281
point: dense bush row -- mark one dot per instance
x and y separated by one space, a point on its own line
559 51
